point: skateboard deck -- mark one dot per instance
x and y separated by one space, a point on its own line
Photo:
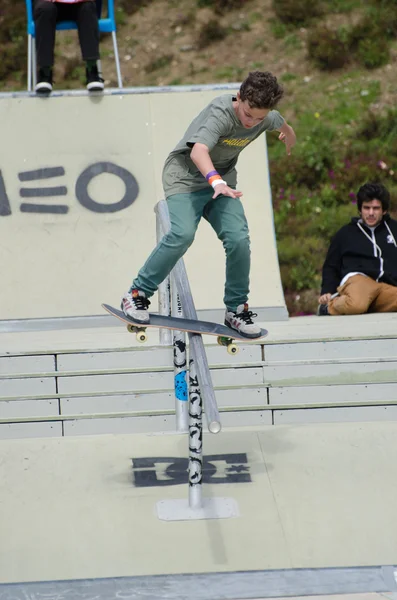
225 334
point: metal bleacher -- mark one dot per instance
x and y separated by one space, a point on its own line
308 369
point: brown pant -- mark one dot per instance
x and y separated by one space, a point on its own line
362 294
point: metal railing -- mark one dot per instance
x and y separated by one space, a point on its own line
200 383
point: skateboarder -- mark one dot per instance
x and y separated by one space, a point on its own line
199 180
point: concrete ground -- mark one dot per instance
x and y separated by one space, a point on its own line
316 496
364 596
307 497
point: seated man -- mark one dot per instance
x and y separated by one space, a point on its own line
47 13
360 269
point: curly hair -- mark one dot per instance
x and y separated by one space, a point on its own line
261 90
373 191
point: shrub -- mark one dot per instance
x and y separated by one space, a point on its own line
309 162
373 52
341 6
304 272
132 7
291 11
368 42
220 6
347 176
288 170
303 303
159 63
385 17
211 32
328 48
316 148
12 38
382 128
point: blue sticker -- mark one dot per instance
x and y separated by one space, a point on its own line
181 386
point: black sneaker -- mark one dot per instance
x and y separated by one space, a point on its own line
241 321
44 82
95 82
322 310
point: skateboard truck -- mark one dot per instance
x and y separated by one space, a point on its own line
142 337
140 332
231 347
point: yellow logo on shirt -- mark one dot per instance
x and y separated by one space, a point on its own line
241 142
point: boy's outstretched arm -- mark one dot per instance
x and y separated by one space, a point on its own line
287 135
200 155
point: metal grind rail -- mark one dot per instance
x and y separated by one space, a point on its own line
200 389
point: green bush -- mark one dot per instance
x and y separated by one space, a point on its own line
366 41
209 33
352 172
385 18
382 4
299 263
341 6
159 63
380 132
12 38
288 170
328 48
297 13
220 6
373 53
132 7
316 147
369 43
305 302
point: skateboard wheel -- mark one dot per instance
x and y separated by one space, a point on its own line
131 328
141 336
232 349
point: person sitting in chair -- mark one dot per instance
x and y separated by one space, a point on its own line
360 269
47 13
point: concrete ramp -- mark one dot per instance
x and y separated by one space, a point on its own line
313 497
78 183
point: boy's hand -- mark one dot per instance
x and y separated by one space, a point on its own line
225 190
288 138
325 298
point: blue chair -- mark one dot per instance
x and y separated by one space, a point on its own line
107 25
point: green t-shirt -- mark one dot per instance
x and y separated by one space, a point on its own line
218 127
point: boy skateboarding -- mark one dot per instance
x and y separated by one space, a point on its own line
199 180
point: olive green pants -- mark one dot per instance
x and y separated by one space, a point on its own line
226 216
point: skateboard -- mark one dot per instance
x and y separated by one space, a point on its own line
225 335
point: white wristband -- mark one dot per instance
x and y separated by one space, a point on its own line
217 182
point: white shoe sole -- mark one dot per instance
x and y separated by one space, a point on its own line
95 86
43 88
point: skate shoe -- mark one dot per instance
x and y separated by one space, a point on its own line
94 81
135 305
322 310
241 321
44 82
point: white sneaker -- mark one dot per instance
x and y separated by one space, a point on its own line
241 321
135 305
